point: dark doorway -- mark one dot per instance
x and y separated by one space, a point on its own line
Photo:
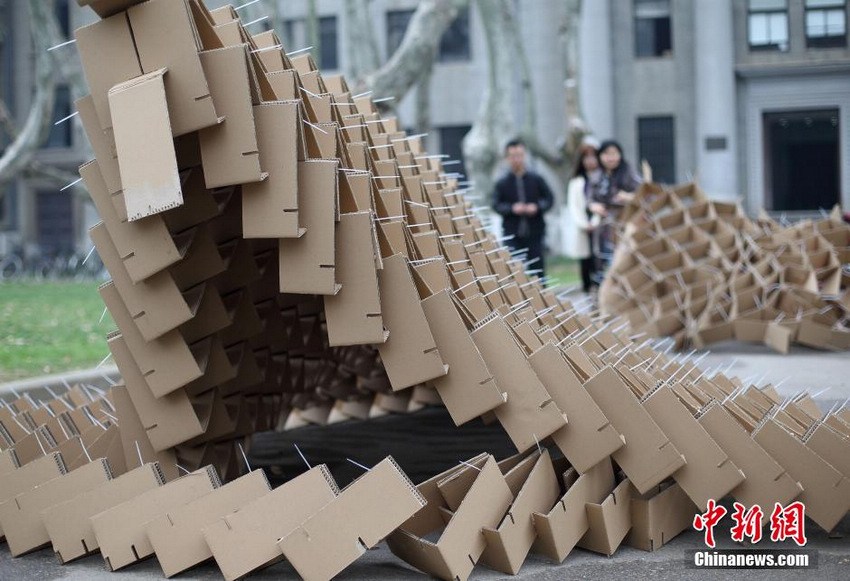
802 160
54 221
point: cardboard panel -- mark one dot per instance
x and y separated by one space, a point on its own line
659 516
229 150
270 207
648 456
21 516
529 415
588 437
708 472
470 389
68 523
177 537
307 264
363 514
246 540
102 143
410 354
353 314
120 530
609 521
38 471
146 156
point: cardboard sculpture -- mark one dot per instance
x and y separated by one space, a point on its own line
700 271
288 256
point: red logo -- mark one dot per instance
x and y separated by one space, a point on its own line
785 523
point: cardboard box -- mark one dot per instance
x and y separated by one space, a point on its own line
454 553
365 512
177 537
68 523
120 530
609 521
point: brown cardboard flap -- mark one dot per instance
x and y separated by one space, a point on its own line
708 472
68 523
270 207
168 420
659 516
353 314
766 481
470 389
365 512
176 536
120 530
155 303
246 540
144 246
166 38
588 437
609 521
830 445
410 354
21 516
146 156
826 491
307 265
229 150
529 415
460 545
108 55
647 456
509 544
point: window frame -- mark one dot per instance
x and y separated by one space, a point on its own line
825 41
767 13
636 19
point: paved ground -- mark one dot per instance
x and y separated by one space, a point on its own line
427 442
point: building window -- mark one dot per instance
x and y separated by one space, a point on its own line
653 36
328 56
397 21
63 16
296 36
657 145
451 144
454 44
826 23
767 24
60 135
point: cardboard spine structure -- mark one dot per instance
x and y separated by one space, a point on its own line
21 515
120 530
365 512
246 540
68 523
177 537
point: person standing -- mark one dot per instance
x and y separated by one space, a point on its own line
522 197
581 221
614 189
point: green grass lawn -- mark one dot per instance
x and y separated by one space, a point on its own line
50 327
563 269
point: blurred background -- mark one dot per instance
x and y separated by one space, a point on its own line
749 97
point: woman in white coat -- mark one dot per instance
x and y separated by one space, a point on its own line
581 221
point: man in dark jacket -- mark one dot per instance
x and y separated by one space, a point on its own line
522 197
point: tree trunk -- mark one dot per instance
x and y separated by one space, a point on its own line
313 37
360 40
416 52
45 33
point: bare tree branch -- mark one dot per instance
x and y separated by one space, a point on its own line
44 31
416 52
